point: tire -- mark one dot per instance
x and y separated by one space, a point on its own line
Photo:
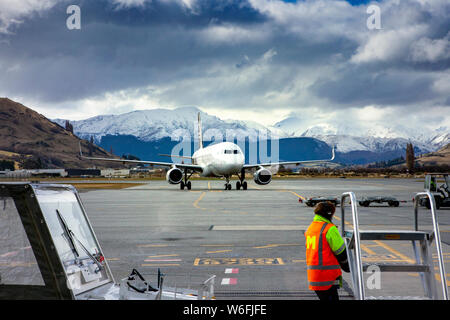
189 185
229 187
244 185
238 185
182 185
438 202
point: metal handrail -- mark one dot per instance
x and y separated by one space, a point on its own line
436 234
356 236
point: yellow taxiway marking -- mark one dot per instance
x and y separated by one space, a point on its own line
276 245
366 249
164 255
219 251
237 261
392 250
151 245
113 259
195 204
217 245
339 219
437 277
160 265
295 194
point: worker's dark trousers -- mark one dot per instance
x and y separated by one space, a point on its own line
328 295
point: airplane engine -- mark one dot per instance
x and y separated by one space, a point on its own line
174 176
262 176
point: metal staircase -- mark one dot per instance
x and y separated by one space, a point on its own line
423 257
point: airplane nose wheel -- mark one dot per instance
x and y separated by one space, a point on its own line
227 186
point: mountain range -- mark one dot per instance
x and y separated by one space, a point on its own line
149 128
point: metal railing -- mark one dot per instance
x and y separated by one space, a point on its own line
437 234
358 281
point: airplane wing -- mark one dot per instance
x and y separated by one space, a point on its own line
155 163
249 166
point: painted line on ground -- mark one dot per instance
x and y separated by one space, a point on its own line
151 245
277 245
217 245
232 270
237 261
228 281
160 265
395 252
163 255
219 251
195 204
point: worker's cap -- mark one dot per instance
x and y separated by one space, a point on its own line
325 209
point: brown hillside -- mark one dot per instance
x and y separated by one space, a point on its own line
31 135
440 157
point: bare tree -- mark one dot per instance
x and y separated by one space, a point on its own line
410 157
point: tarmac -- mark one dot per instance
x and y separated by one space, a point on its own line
252 240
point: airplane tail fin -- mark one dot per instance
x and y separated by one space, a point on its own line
200 133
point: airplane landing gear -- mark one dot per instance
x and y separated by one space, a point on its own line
241 183
227 184
186 183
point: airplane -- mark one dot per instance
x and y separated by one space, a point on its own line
223 159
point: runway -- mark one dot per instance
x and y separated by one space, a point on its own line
251 240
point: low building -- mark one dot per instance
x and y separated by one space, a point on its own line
117 173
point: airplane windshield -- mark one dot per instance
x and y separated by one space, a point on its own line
231 152
72 236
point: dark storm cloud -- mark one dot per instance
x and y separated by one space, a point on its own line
213 54
368 86
116 48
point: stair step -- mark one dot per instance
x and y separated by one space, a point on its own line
397 298
398 267
389 235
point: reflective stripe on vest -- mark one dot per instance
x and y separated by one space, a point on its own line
324 283
327 270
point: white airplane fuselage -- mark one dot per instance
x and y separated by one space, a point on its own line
219 160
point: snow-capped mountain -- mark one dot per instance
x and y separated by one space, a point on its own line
376 138
155 124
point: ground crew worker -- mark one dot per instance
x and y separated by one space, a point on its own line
325 254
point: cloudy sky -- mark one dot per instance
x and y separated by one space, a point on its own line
259 60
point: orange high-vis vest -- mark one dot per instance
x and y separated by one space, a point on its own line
323 267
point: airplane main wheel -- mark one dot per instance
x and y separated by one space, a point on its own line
229 186
244 185
238 185
182 185
188 184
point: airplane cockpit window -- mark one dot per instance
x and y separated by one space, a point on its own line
18 265
231 151
74 241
